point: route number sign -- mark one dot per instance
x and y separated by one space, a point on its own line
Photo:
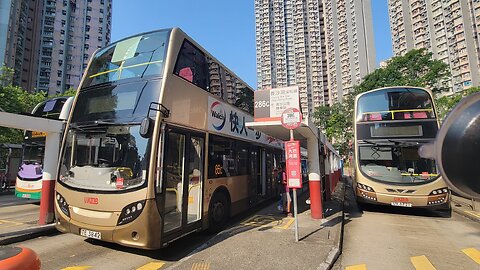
291 118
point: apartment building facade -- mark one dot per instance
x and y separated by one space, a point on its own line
297 44
350 44
50 42
448 29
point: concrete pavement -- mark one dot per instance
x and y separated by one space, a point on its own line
264 240
466 207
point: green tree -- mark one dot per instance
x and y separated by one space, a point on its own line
416 68
14 99
446 103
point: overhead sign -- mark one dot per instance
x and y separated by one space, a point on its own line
270 104
294 168
291 118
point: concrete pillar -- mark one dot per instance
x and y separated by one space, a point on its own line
314 179
52 145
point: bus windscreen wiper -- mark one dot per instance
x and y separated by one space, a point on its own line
403 143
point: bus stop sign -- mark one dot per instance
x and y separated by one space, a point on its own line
294 171
291 118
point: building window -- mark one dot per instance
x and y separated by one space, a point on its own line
64 12
60 51
89 8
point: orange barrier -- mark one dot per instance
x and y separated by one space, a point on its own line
18 258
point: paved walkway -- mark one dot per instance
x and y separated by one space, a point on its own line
266 240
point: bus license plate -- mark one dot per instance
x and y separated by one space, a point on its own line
26 196
90 234
402 204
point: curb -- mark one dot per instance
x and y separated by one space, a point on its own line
470 214
337 249
27 234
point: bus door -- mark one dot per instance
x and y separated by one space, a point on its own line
254 179
182 182
262 188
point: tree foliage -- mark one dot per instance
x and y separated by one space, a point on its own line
14 99
446 103
416 68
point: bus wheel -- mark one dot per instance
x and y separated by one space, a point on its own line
218 212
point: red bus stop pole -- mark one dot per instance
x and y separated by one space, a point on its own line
316 207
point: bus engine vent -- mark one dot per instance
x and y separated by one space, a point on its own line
403 191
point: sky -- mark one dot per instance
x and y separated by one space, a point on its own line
225 28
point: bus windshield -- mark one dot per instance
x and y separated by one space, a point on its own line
105 158
135 57
395 104
396 163
33 153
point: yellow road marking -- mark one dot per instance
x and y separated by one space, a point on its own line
10 223
473 253
357 267
85 267
422 263
268 221
201 266
473 213
152 266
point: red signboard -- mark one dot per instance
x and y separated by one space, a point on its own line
294 170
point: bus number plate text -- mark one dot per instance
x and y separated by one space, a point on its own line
402 204
90 234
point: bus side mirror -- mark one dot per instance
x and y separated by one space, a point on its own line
146 127
457 148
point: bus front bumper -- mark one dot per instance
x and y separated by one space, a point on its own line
433 202
143 232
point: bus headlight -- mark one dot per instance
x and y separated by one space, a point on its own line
366 192
62 204
131 212
438 196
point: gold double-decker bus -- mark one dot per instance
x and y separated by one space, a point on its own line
156 145
390 125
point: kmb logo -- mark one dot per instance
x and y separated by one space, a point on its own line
90 200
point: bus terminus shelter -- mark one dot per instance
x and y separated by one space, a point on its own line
324 162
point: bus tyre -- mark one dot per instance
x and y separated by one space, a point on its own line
360 206
218 212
